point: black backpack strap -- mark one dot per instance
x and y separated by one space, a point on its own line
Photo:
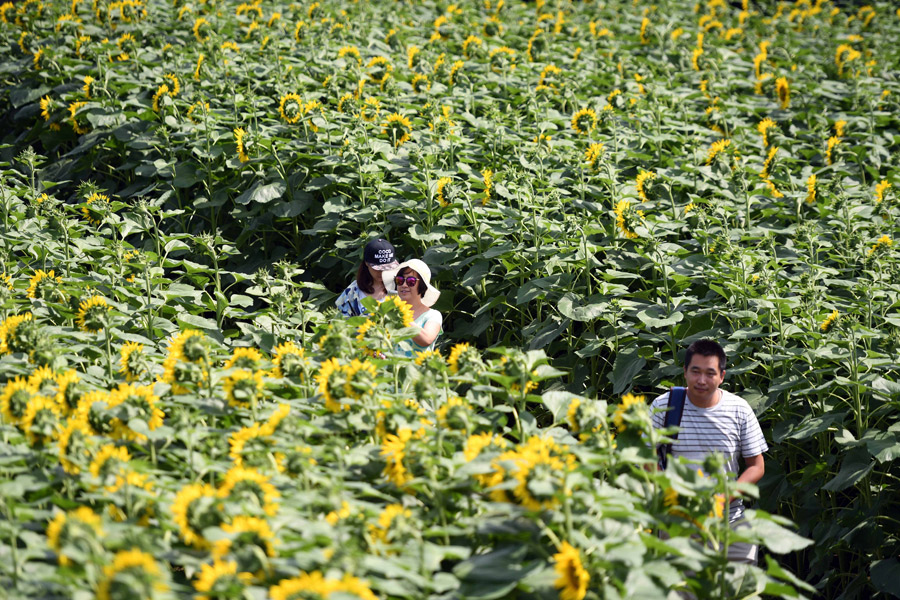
674 413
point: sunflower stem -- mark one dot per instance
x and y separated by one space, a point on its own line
109 369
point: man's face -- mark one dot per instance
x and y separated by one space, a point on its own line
703 378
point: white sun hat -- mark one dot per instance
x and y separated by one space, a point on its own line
431 294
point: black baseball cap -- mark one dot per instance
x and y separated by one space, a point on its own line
379 254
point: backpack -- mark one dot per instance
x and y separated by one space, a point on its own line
677 396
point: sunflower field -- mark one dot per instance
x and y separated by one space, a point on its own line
186 185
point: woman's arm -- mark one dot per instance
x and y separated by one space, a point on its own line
429 332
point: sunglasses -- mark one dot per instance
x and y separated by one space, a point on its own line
410 280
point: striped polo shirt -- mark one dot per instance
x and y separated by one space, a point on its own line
729 427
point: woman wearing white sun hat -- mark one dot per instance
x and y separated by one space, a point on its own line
412 282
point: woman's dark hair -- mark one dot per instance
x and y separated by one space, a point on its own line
705 347
364 279
420 286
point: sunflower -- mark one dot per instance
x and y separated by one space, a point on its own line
239 134
305 585
175 86
43 285
93 314
829 322
641 181
8 328
200 60
584 121
455 413
250 538
289 360
767 164
186 349
439 189
244 358
242 483
420 82
783 90
463 358
572 415
717 148
380 531
204 109
393 449
195 507
74 445
134 402
628 400
80 528
473 41
454 69
220 579
627 218
331 384
278 415
41 420
883 186
573 579
132 361
592 154
833 142
763 129
95 207
380 69
370 109
488 181
46 106
133 574
74 107
429 357
350 51
501 57
92 407
398 127
397 313
477 443
537 43
250 447
110 466
243 388
15 399
43 380
811 189
540 471
881 244
197 26
291 108
162 90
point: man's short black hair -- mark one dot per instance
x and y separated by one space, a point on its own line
705 347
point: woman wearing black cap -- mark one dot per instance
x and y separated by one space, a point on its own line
378 256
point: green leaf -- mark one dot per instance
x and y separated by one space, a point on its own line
886 575
262 193
197 321
856 465
776 538
573 307
628 364
650 318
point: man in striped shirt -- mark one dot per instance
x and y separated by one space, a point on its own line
715 420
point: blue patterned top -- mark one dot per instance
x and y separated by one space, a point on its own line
349 301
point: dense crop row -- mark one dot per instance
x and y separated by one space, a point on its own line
601 181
